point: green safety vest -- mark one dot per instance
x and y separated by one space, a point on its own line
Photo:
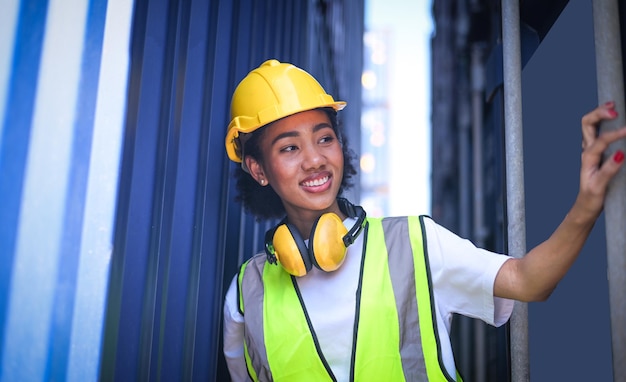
395 333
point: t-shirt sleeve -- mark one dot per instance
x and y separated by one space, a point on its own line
463 277
233 336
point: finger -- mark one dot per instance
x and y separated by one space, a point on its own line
610 167
592 157
590 121
602 141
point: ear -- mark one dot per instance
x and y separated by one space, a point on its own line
256 169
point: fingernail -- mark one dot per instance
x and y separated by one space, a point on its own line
612 113
618 157
608 104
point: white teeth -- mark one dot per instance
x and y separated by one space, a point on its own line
317 182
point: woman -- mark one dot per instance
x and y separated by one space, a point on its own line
358 298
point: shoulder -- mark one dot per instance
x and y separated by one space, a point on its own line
256 262
422 223
251 271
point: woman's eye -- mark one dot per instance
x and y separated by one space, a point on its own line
289 148
327 139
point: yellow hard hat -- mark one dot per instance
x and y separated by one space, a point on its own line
270 92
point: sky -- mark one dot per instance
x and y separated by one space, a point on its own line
409 25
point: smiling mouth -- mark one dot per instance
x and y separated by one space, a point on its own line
316 182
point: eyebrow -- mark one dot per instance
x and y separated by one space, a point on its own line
295 133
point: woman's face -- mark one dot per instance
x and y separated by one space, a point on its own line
303 162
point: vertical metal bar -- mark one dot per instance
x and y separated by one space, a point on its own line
478 234
467 353
611 87
520 370
478 86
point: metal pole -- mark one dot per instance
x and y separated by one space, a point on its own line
609 71
512 67
478 84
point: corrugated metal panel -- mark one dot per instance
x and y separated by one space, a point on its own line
180 237
62 99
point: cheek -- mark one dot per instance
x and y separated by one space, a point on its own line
279 171
339 158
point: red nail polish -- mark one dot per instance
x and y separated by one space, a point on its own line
612 113
608 104
618 156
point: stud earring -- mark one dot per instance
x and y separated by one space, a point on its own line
262 182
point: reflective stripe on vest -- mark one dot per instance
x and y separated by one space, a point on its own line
393 297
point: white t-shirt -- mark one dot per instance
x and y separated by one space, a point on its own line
463 278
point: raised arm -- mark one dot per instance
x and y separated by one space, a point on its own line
534 277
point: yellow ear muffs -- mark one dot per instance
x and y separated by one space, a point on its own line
328 241
326 245
290 250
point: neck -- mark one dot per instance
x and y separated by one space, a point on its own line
304 221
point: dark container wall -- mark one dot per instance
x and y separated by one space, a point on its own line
180 236
559 86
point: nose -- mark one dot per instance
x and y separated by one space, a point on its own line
313 157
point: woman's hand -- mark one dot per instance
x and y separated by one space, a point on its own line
595 174
534 276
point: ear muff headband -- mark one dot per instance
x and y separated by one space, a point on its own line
354 212
328 242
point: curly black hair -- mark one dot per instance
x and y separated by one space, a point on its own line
264 202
